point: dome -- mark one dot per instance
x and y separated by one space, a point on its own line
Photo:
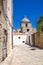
25 19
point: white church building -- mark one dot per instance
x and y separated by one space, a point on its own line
24 34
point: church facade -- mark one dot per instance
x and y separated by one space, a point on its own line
24 34
26 25
5 28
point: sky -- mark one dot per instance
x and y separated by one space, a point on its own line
32 9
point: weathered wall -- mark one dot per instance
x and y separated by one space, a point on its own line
9 39
38 40
19 38
24 28
9 24
2 27
5 8
1 43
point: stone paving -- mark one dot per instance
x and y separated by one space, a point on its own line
25 55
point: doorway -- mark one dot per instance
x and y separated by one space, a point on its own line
5 44
29 40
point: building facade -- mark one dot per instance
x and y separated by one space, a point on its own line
5 28
25 25
24 34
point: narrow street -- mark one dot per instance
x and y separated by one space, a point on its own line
25 55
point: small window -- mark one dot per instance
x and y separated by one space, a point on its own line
19 37
26 25
5 32
23 41
27 30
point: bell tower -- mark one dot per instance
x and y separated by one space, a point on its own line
25 25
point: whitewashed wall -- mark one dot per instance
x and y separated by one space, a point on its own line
17 41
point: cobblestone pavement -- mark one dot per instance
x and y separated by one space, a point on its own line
25 55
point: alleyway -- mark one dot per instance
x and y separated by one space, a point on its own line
25 55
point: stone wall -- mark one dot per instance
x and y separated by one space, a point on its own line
38 40
5 10
9 43
1 44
